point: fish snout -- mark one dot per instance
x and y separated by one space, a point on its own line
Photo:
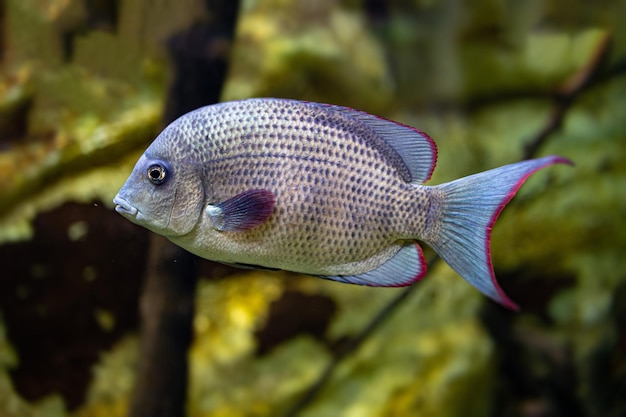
123 207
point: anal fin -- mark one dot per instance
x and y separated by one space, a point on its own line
404 268
250 266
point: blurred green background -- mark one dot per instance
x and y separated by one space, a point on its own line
83 87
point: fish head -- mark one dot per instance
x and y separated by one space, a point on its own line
163 194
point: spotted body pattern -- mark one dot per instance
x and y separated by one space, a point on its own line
324 200
318 189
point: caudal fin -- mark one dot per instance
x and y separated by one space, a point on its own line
471 206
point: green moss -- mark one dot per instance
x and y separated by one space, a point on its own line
83 110
113 379
56 178
31 31
11 404
226 377
92 117
330 57
8 356
419 362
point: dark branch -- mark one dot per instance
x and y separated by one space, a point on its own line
199 58
566 95
166 315
354 344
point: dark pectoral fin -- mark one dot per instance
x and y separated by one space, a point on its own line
243 211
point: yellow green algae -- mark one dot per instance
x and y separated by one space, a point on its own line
85 114
317 53
78 123
584 214
420 363
420 360
47 185
433 357
11 405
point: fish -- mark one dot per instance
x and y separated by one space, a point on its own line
317 189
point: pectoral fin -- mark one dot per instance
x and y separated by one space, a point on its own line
243 211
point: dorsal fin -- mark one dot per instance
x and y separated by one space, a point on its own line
412 147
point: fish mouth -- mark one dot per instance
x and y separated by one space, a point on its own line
124 208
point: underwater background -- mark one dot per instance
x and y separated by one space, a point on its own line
98 317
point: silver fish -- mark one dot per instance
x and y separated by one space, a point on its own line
318 189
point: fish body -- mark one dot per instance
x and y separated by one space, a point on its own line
318 189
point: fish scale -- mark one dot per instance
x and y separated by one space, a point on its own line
306 151
318 189
307 212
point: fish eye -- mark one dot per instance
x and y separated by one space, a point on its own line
157 174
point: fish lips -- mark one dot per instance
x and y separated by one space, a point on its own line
123 207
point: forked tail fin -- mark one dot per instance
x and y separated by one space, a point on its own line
471 206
